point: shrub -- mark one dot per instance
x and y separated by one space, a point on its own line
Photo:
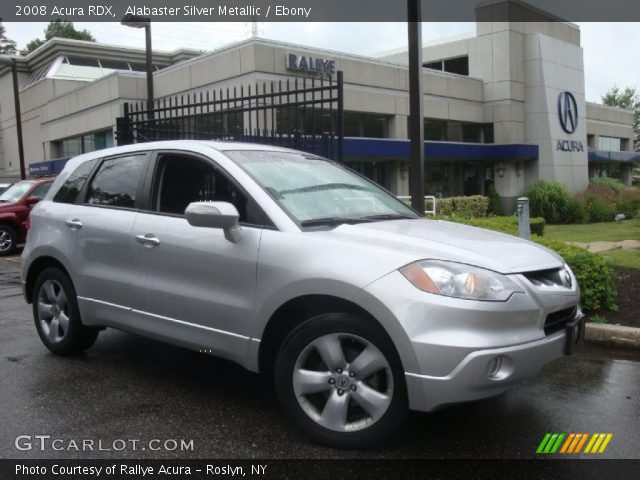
537 226
604 200
629 202
467 207
576 212
495 205
594 275
600 210
612 183
549 200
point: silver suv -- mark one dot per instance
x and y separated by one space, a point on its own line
294 266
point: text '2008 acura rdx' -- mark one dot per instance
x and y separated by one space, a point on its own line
292 265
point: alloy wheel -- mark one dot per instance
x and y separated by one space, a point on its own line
53 311
6 241
343 382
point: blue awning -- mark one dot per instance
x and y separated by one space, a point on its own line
399 148
609 156
51 167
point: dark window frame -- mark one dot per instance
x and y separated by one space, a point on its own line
151 186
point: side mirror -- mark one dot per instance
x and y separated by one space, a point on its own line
215 215
30 200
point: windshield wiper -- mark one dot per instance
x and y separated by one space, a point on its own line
387 216
364 219
331 221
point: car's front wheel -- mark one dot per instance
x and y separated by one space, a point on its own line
57 316
8 240
339 378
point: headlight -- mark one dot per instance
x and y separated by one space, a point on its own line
459 280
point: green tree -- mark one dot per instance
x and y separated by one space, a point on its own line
628 98
60 29
7 46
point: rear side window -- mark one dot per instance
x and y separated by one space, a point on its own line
69 191
116 182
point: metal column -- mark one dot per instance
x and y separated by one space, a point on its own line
416 113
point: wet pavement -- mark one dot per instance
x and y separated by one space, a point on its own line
131 388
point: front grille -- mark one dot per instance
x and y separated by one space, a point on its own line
545 278
557 320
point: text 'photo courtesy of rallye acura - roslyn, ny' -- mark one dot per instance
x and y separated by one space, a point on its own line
296 267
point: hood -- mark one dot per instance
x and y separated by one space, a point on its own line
435 239
4 206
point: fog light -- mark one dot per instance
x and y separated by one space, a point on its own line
499 367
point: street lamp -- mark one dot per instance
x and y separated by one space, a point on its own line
135 21
7 61
416 109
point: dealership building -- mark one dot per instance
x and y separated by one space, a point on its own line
504 107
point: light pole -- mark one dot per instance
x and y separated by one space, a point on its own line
416 110
11 62
135 21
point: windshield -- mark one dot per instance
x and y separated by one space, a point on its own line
15 192
317 191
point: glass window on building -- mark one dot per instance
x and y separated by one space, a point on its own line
454 131
458 65
369 125
611 144
70 147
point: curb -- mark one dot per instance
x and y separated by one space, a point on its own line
612 335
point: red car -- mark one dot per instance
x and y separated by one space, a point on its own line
15 204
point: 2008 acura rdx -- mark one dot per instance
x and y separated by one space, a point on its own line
293 265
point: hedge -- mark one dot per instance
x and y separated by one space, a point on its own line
467 207
594 275
500 224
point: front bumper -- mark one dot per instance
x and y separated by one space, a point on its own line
450 348
471 379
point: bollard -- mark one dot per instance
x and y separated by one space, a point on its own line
524 228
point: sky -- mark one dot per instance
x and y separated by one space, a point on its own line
611 52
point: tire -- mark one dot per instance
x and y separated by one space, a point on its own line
8 240
57 316
356 402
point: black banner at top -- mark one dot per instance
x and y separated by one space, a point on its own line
320 10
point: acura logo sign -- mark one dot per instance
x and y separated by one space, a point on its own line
568 112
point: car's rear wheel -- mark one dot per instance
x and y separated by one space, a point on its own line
339 378
57 316
8 240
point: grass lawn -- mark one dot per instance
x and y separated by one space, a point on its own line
592 232
623 258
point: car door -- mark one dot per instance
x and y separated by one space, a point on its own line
200 287
100 222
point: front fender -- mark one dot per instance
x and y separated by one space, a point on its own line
9 217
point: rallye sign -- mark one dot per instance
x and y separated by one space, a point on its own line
309 64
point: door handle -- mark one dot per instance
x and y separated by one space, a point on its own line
74 224
148 240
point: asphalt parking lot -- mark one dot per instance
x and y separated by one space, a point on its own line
127 387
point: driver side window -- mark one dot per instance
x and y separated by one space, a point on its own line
182 179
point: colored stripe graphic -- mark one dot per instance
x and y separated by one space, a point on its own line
567 442
543 443
607 439
572 443
598 443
